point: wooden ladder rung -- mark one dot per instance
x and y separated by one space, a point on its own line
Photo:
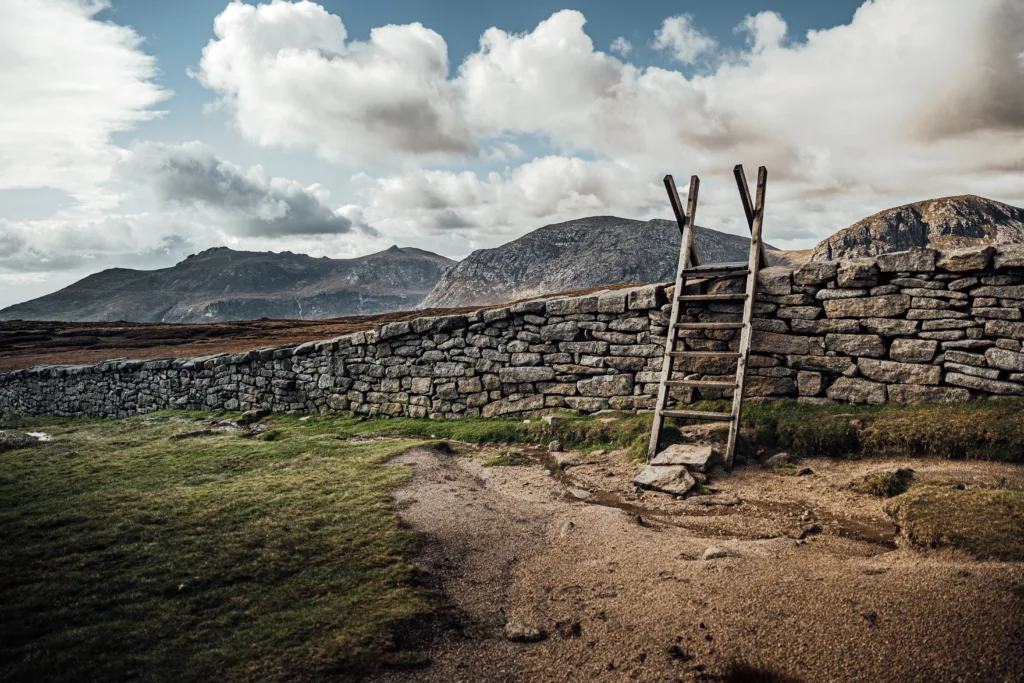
709 326
712 297
700 383
704 354
732 265
699 414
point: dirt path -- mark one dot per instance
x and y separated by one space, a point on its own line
619 585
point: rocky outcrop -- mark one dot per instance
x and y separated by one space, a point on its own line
947 223
222 284
922 326
580 254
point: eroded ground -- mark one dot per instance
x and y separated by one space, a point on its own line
813 584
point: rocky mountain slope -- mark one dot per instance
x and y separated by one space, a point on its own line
222 284
588 252
946 223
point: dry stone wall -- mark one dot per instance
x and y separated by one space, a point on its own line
908 327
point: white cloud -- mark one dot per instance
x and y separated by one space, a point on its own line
69 82
621 47
247 202
290 78
763 30
684 43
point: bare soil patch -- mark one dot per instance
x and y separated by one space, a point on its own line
806 577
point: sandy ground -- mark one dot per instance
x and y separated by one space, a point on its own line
618 584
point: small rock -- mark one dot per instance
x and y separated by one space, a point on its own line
778 460
804 472
555 447
804 531
676 652
714 552
519 632
564 460
551 419
597 454
696 457
569 629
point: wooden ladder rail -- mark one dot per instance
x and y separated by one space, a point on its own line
686 254
757 258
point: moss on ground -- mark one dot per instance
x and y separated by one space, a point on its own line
987 523
150 549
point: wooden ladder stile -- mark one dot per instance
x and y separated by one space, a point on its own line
690 268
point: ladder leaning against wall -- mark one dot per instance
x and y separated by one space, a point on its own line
691 269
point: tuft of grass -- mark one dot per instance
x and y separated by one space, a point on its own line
987 523
129 552
982 430
508 459
885 484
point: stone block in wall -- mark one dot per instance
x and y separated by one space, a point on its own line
775 280
534 307
868 307
829 294
637 350
888 327
566 331
613 337
526 374
913 350
988 373
768 386
632 324
997 313
644 298
840 326
768 342
776 326
572 305
901 373
1005 360
390 330
799 312
505 406
557 388
837 365
999 292
1004 328
963 260
728 285
981 384
631 403
606 385
857 391
916 393
612 302
857 273
809 383
870 345
587 404
625 363
1009 256
915 260
815 272
965 357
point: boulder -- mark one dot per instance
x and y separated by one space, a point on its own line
674 479
699 458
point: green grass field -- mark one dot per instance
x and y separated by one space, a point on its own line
142 550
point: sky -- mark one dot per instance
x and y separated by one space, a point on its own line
136 132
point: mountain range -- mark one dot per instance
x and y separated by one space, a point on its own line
222 284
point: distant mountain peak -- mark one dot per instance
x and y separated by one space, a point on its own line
943 223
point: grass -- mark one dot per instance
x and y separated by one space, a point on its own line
984 430
166 551
987 523
885 484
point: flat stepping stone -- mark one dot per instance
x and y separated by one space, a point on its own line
698 458
674 479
